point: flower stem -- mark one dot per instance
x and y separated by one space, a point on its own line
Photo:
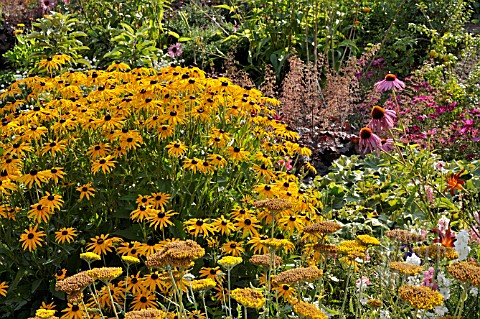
111 299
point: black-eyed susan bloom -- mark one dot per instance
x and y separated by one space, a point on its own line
165 131
49 64
60 274
214 273
205 167
224 226
217 160
34 177
135 284
142 213
49 306
152 281
285 291
101 244
192 164
56 174
237 154
7 186
40 213
248 225
161 220
233 248
266 190
143 199
159 200
51 201
118 66
197 226
32 238
99 150
3 288
263 170
74 311
176 149
86 191
257 244
129 249
106 164
65 235
143 300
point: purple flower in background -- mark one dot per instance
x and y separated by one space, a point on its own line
390 82
47 5
382 119
175 50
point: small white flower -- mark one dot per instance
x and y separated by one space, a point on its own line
413 260
188 277
474 291
385 314
440 311
461 245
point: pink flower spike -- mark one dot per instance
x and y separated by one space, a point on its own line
175 50
390 82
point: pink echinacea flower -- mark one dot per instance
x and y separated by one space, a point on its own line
369 141
382 119
390 82
175 50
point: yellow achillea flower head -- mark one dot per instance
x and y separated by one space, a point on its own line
436 251
89 256
420 297
298 275
307 310
202 284
130 260
105 274
466 271
249 297
176 254
44 313
229 262
368 240
349 246
405 268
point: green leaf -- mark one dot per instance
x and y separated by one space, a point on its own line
223 6
184 39
173 34
127 27
230 37
83 61
36 284
33 35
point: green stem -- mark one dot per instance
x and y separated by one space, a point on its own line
111 300
229 295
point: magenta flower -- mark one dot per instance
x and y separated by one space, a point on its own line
390 82
369 141
47 5
175 50
287 164
382 119
387 145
